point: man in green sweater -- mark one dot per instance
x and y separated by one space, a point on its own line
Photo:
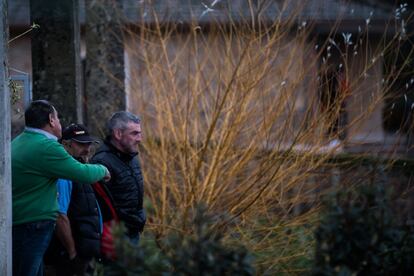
38 160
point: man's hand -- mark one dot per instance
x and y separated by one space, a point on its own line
72 254
64 233
107 176
77 266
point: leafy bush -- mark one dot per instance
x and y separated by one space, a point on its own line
360 234
203 252
133 259
200 252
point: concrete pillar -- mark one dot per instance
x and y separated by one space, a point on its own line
56 61
104 78
5 166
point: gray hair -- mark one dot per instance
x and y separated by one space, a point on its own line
119 120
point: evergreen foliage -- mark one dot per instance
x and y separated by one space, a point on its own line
198 252
361 234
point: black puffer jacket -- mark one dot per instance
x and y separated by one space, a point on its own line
83 215
126 186
84 220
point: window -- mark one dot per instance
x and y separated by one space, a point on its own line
332 95
21 96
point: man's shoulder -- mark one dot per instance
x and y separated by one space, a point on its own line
28 135
33 142
103 155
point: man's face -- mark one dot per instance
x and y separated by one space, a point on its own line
80 151
130 137
55 124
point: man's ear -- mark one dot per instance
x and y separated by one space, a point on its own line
117 134
51 119
66 143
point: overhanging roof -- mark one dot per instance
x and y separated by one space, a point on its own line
225 11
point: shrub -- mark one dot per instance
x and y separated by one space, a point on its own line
133 259
200 252
361 235
203 252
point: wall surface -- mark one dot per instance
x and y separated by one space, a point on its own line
5 166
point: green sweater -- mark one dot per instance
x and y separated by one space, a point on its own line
37 163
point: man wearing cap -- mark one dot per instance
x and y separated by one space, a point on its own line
37 161
79 222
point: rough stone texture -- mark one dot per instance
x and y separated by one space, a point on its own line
104 79
5 166
56 55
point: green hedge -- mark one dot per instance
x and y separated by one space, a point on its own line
199 251
360 233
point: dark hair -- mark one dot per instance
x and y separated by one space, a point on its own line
37 114
119 120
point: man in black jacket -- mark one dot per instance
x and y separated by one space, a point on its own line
119 155
79 223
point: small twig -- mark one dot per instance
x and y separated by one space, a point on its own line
34 26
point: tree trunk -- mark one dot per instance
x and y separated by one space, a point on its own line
56 56
104 85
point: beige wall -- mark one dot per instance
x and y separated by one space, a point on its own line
364 107
293 74
285 68
20 55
